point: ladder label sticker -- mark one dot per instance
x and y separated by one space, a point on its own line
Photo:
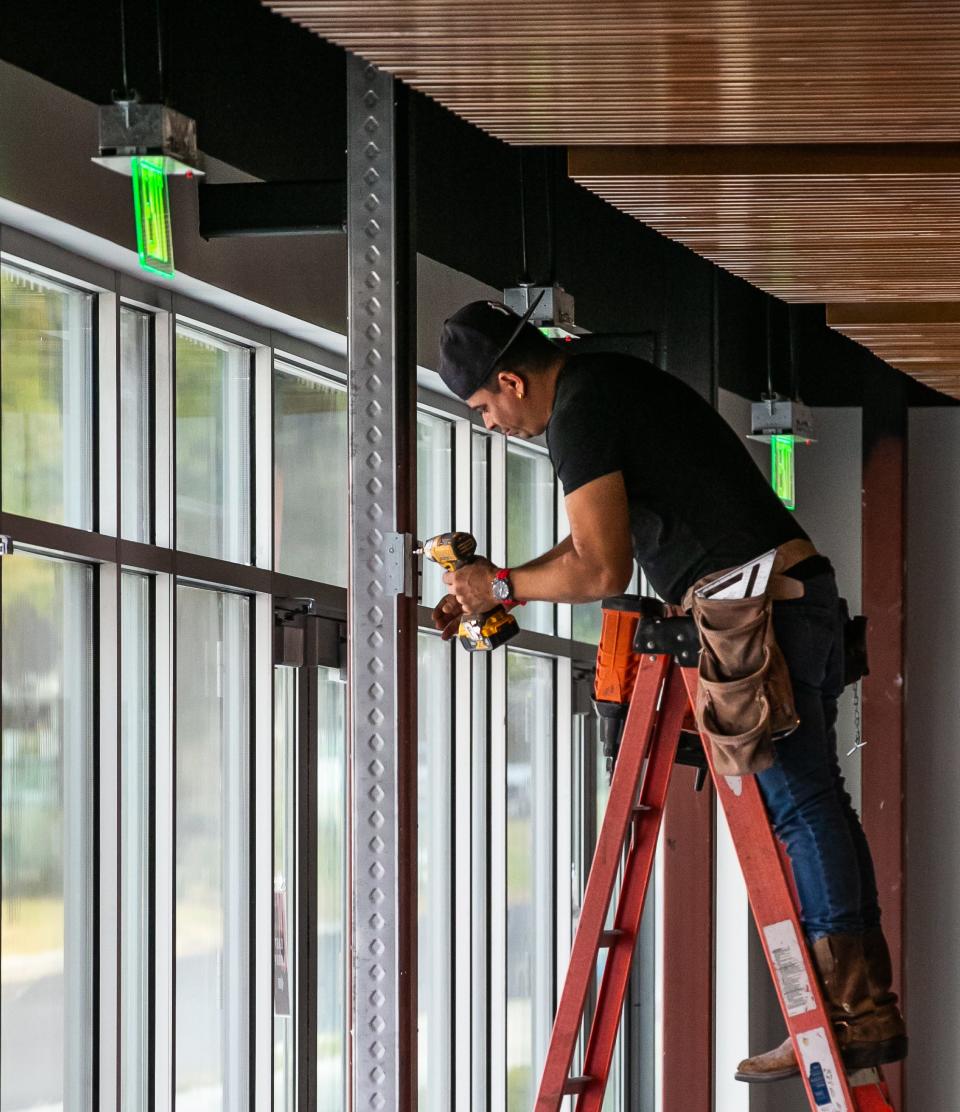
787 958
821 1071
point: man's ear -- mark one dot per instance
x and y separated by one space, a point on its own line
512 382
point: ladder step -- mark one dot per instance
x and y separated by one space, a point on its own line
642 808
611 937
577 1085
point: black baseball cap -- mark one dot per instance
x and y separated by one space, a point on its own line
475 339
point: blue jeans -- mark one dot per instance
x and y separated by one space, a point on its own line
804 791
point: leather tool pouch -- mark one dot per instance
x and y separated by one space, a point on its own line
745 697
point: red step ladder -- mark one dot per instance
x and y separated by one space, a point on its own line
660 703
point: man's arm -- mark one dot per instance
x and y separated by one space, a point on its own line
595 561
555 553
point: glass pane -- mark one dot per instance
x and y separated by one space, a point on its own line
46 950
331 892
135 424
310 476
480 492
135 762
434 842
213 446
46 399
284 888
530 523
434 494
530 915
212 850
587 617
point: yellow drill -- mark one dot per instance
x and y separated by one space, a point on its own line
478 632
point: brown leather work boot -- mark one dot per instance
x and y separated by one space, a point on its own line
856 976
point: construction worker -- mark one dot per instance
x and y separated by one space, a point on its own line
651 471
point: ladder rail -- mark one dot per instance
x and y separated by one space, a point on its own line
775 912
602 1040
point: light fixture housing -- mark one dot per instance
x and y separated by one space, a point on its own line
781 417
129 129
553 316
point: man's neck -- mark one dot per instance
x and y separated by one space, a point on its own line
552 376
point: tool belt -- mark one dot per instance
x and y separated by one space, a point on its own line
745 696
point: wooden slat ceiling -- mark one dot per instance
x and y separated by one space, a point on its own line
742 128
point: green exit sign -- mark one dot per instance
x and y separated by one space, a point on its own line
151 203
781 470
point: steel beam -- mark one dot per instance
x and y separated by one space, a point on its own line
382 622
882 777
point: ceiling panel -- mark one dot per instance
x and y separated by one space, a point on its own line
677 71
757 133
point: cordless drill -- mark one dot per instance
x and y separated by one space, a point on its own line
478 632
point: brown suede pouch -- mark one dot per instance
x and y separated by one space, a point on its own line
745 697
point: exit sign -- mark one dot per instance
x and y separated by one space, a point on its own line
151 203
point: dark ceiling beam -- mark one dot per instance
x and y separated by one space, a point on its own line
852 314
774 159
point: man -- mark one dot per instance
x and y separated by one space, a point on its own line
650 470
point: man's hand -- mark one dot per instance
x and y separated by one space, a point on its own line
471 586
446 617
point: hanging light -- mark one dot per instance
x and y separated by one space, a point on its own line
148 142
782 423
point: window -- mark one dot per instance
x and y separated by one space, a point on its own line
434 850
46 399
310 475
285 757
46 951
213 446
332 943
530 523
480 492
136 760
529 841
190 877
212 849
136 425
434 494
587 617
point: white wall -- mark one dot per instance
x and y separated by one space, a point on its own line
828 489
933 759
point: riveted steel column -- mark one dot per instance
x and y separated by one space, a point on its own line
382 622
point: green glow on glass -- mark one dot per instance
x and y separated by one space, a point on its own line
151 206
781 470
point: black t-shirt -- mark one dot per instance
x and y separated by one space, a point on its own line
698 502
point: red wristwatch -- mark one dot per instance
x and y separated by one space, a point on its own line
502 589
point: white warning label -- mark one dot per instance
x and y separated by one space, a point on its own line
820 1071
791 971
